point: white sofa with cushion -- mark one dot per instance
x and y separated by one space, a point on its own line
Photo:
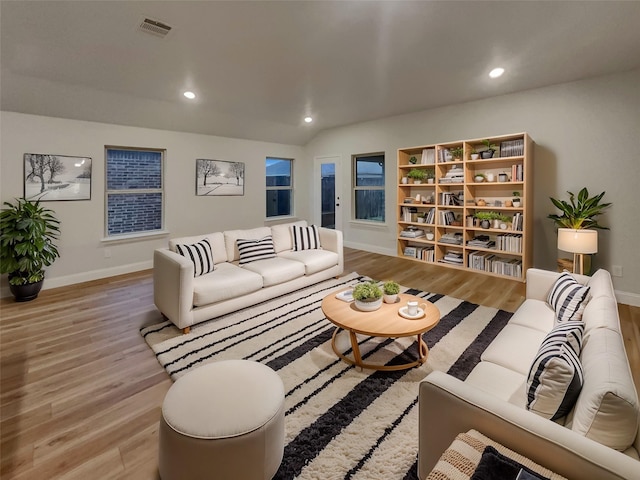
520 385
202 277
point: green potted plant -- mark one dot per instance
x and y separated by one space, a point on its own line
416 174
27 235
517 202
456 153
390 290
367 296
474 153
579 212
430 176
413 160
486 218
479 178
490 150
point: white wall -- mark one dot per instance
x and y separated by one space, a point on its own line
82 228
585 134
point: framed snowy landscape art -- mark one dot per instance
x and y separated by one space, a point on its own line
56 177
218 177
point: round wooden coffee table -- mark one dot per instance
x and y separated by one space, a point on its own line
384 322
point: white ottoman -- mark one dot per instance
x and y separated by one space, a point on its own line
224 420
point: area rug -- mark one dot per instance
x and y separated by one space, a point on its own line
341 422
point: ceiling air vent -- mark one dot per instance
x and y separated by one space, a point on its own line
154 27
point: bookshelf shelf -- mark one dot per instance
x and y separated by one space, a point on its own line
507 251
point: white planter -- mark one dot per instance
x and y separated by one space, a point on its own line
429 180
369 306
474 156
417 182
390 298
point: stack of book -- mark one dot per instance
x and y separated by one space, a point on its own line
412 232
453 258
512 148
482 241
451 238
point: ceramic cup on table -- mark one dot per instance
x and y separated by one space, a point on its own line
413 306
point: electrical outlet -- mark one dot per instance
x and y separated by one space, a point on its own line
616 270
107 253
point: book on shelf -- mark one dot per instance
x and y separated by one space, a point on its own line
447 217
517 222
512 148
453 258
428 156
517 174
412 232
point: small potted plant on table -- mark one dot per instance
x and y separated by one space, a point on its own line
391 290
367 296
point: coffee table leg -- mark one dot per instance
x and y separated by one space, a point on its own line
356 348
423 350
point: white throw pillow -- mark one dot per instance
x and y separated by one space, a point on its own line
200 254
305 238
254 250
568 298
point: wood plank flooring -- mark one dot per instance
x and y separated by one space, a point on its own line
81 393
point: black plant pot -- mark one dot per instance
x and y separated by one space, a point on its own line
486 154
26 293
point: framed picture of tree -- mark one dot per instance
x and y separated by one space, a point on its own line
219 177
56 177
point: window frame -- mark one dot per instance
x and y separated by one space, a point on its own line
279 187
355 187
107 192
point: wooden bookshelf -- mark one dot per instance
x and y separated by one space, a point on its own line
457 195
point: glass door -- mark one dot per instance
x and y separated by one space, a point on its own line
327 209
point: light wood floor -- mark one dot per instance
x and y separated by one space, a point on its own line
80 391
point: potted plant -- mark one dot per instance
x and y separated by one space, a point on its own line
413 160
479 177
490 150
486 218
474 153
579 212
416 175
367 296
430 176
517 201
456 153
390 290
27 235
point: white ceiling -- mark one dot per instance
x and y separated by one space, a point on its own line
259 67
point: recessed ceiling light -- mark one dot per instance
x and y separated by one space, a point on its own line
496 72
189 95
308 119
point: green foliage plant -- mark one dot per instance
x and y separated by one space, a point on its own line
580 211
416 174
391 288
482 215
456 152
27 235
490 146
367 291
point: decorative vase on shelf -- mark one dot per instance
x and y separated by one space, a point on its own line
487 153
474 156
485 223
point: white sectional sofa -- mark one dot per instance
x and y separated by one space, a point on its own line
186 299
597 439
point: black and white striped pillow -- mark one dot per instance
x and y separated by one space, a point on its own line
253 250
569 333
568 298
305 238
200 254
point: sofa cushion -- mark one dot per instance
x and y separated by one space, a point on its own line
313 260
305 238
231 236
497 380
554 381
568 298
534 314
216 240
254 250
227 281
600 285
282 239
515 347
607 410
276 270
601 312
200 255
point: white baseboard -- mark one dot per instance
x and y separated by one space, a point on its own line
370 248
628 298
88 276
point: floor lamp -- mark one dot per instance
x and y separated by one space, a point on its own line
578 242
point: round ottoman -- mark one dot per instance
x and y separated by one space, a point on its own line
224 420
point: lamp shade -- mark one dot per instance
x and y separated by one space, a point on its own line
577 241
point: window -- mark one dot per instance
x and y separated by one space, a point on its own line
279 187
134 191
368 187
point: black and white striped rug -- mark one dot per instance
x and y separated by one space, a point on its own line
341 423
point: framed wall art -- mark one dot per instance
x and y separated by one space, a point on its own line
56 177
218 177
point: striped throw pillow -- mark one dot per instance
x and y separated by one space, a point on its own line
305 238
253 250
200 254
555 377
568 298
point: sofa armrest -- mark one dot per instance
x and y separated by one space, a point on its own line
173 286
539 282
332 240
448 406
